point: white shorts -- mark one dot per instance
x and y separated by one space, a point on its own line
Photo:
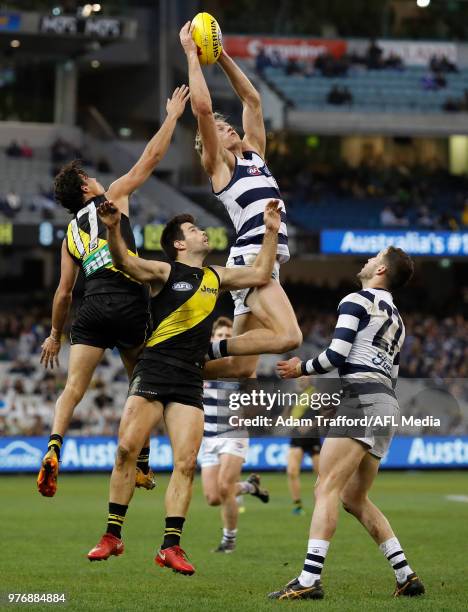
213 447
239 296
378 439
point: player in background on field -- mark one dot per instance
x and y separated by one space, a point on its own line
114 310
222 456
305 441
365 348
167 381
264 320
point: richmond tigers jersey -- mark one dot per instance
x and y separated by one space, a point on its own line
182 316
367 340
87 244
251 187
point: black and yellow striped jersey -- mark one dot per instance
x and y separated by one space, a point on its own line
87 244
182 317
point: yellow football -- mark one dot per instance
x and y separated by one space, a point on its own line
208 38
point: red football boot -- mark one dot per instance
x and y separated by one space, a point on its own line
175 558
47 477
108 545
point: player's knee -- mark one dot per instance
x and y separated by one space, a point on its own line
351 504
289 340
226 489
125 453
186 466
293 471
212 499
75 390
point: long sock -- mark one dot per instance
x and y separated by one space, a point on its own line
246 488
297 503
218 349
313 564
396 557
229 536
173 531
116 518
143 459
55 443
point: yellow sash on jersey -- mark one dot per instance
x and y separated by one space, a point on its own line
190 313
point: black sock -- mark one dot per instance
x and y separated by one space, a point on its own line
173 531
218 349
143 460
116 518
297 503
55 443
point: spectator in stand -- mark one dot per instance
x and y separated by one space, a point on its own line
262 61
388 218
13 149
339 95
292 67
442 64
393 61
374 56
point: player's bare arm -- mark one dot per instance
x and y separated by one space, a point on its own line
142 270
260 273
218 162
60 308
252 115
154 151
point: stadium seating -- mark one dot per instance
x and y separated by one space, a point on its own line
372 90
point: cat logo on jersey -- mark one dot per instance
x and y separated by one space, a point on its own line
253 171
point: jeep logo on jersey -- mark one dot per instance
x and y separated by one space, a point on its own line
253 171
206 289
182 286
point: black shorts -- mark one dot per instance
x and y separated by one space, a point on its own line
308 445
113 319
159 381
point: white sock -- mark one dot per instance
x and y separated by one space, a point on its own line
229 535
396 557
246 487
240 500
313 564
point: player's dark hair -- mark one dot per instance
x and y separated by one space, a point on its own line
172 232
400 267
221 322
68 184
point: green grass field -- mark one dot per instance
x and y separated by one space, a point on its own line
45 541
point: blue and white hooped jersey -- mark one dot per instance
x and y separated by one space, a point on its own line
215 406
251 187
367 339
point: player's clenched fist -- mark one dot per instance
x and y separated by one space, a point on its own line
272 216
290 368
109 214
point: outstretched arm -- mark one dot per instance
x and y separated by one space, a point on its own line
142 270
213 156
350 315
60 308
260 273
252 115
154 151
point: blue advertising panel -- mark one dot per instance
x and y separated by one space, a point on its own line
21 454
368 242
10 22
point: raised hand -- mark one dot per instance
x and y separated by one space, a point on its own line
272 216
175 105
186 39
109 214
290 368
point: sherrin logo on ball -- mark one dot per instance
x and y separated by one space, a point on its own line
208 38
